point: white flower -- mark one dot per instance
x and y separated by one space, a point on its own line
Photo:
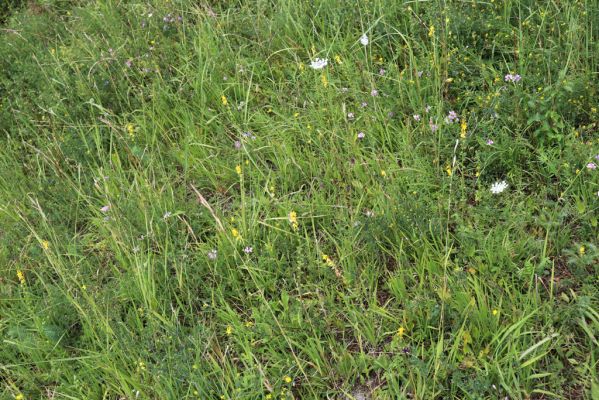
319 63
364 40
498 187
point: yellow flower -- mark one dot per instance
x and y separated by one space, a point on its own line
328 260
301 66
472 270
229 330
130 129
235 233
20 397
463 127
45 244
238 169
448 170
495 311
324 80
292 216
287 379
431 31
582 250
401 331
338 59
249 324
223 100
21 276
383 173
268 396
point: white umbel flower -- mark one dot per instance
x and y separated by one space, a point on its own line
498 187
319 63
364 40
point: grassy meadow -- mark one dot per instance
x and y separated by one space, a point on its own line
299 199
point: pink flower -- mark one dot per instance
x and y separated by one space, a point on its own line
592 165
490 142
374 92
416 117
361 135
105 209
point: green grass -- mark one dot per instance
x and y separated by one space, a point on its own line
381 268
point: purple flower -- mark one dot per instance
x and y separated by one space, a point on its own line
248 135
512 78
490 142
597 157
374 92
237 144
452 117
432 125
592 165
361 135
105 209
416 117
248 250
212 254
364 104
350 115
382 72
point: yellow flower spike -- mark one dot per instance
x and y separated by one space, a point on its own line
463 127
238 169
324 80
401 331
21 276
224 100
431 31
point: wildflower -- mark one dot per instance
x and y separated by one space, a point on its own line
416 117
463 127
287 379
401 331
130 129
490 142
338 59
597 157
237 144
319 63
128 63
223 99
512 78
495 311
374 92
432 125
292 216
350 115
229 330
448 170
498 187
406 350
105 209
419 74
20 397
383 173
427 108
581 250
364 104
382 72
324 80
249 324
451 117
212 254
364 40
235 233
249 134
431 31
248 250
361 135
238 169
45 244
591 165
21 276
